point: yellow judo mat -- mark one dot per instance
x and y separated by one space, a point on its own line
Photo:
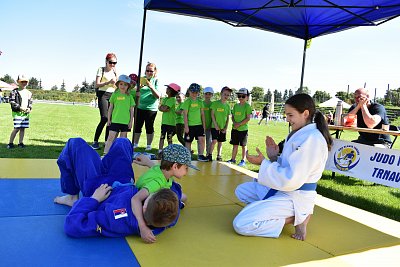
338 235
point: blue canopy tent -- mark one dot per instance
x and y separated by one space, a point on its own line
303 19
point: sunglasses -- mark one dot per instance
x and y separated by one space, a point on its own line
241 96
112 62
151 71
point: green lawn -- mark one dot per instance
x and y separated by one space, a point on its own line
52 125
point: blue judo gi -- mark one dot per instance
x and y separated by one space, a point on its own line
82 170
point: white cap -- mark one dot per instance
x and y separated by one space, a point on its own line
209 90
243 91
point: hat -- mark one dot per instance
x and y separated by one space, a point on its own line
243 91
194 87
179 154
209 90
226 88
133 77
174 87
124 78
22 78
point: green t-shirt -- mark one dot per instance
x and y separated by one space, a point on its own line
239 113
193 108
221 113
179 117
207 114
122 104
147 101
169 117
153 180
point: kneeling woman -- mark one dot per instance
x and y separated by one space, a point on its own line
284 192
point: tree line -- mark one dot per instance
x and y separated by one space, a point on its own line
258 94
35 83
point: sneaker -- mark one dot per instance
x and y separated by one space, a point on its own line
231 161
21 145
219 158
95 145
135 146
10 146
242 163
159 156
209 157
148 148
202 158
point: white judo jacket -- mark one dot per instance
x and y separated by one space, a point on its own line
302 161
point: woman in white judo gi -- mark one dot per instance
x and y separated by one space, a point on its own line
284 192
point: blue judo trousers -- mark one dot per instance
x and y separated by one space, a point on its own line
82 169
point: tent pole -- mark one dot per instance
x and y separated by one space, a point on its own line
141 48
140 68
302 67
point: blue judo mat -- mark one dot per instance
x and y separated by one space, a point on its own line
32 230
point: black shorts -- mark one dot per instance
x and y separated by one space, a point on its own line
194 132
218 135
119 127
168 130
238 137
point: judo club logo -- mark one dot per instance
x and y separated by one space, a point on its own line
346 157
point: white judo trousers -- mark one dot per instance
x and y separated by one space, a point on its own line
266 218
302 161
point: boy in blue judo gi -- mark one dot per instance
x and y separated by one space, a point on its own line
107 189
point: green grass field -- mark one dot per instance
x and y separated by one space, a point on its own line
52 125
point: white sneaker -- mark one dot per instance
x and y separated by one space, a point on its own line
148 148
135 146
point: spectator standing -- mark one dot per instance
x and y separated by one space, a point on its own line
21 106
241 114
265 114
148 105
106 78
120 113
193 115
208 94
168 122
220 111
180 125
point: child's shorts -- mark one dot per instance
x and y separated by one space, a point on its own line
194 132
218 135
118 127
238 137
21 121
168 130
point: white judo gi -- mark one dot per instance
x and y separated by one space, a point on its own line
302 161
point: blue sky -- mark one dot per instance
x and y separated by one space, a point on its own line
68 40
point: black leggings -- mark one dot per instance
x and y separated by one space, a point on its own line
103 99
145 116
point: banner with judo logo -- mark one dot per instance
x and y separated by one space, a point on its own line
374 164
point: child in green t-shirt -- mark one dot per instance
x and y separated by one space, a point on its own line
195 124
168 122
241 113
120 112
220 111
208 94
174 163
180 125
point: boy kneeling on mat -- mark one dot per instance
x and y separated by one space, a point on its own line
107 189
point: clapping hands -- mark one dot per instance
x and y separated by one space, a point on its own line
272 151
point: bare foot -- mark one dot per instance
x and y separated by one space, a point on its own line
67 200
301 230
